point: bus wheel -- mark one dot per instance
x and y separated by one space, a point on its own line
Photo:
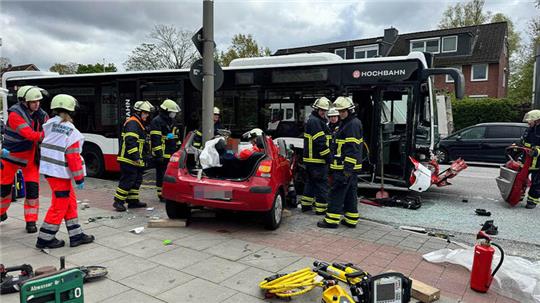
93 158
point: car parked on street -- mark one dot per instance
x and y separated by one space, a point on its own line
485 142
258 184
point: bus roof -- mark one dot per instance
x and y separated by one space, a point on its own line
296 60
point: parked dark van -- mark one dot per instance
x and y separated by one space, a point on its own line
485 142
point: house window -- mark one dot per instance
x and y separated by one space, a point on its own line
366 51
449 44
449 79
342 52
430 45
479 72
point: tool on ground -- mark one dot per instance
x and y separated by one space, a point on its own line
481 275
513 178
62 286
482 212
489 228
381 194
364 288
407 202
11 284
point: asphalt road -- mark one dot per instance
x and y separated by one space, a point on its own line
444 210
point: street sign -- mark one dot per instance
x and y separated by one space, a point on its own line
198 40
196 75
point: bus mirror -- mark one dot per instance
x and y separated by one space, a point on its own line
456 74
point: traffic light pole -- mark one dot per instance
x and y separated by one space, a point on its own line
208 71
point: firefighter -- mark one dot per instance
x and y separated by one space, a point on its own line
60 161
531 139
197 140
333 120
20 151
316 156
163 140
131 158
346 164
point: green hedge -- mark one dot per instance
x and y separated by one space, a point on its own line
471 111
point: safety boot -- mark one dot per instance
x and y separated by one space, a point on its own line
84 239
530 205
136 204
119 206
54 243
31 227
324 224
3 217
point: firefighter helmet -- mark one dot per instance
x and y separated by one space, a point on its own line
170 106
253 133
66 102
217 111
532 115
143 106
29 93
342 103
332 112
321 103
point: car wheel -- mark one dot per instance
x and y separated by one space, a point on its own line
177 210
93 160
274 215
442 156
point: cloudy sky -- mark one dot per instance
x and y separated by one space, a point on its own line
45 32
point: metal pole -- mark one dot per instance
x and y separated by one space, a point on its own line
208 71
536 79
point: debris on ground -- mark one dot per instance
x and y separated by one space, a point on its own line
167 242
150 209
407 202
94 219
137 230
166 223
490 228
84 205
465 200
482 212
441 235
414 229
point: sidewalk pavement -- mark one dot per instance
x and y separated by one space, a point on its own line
221 258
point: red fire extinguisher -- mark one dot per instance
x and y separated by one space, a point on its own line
481 275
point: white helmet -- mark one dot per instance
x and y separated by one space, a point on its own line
217 111
170 106
143 106
64 101
321 103
29 93
332 112
253 133
532 115
342 103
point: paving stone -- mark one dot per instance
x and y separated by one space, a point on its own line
100 231
169 233
17 252
247 281
132 296
148 248
11 298
196 291
215 269
234 249
102 289
124 267
95 256
273 264
242 298
202 241
300 264
120 240
180 257
157 280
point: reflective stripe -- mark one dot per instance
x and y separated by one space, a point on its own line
331 221
53 147
133 197
155 132
308 160
527 144
533 200
317 135
71 222
325 152
333 216
45 236
120 197
133 150
73 151
118 189
198 133
157 148
21 126
131 134
32 202
350 221
75 232
352 215
336 166
31 211
317 204
16 160
54 161
78 173
307 198
350 160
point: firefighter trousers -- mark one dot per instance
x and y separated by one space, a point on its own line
343 199
31 183
161 167
316 188
129 184
534 191
63 208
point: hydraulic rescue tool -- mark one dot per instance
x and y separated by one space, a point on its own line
481 275
363 288
514 174
10 284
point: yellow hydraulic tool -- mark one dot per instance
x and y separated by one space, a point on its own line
293 284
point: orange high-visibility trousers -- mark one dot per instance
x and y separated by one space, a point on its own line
31 183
